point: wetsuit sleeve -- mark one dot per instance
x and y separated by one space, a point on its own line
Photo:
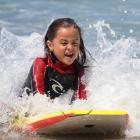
39 67
81 92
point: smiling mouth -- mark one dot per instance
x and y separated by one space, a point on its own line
69 55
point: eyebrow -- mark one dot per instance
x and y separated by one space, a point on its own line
63 40
66 39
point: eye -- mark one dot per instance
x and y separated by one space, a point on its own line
75 44
64 43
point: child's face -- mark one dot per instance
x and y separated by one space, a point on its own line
65 45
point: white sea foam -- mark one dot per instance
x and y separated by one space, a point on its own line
112 81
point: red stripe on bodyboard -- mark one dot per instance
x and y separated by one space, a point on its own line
33 127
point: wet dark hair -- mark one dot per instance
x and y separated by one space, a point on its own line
52 31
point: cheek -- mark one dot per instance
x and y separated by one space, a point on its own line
77 50
59 51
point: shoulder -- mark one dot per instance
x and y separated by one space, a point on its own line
40 62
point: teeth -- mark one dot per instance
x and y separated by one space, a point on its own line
69 54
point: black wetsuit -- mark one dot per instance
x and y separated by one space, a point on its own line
50 76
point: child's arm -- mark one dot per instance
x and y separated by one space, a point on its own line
81 92
39 67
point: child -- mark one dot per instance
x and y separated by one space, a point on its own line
62 67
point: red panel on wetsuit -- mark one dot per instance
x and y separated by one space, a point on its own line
39 68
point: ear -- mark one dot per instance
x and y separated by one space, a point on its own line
50 45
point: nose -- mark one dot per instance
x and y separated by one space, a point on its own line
70 47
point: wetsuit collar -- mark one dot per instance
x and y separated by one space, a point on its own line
59 65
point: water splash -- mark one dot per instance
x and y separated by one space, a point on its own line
112 81
115 77
17 54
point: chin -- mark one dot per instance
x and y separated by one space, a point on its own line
68 63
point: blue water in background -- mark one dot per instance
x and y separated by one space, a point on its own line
110 32
25 17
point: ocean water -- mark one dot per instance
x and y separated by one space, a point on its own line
111 35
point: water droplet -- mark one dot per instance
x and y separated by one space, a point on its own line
125 11
131 31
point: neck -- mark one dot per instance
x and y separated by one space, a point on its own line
56 64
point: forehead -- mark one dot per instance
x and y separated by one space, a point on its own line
68 32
